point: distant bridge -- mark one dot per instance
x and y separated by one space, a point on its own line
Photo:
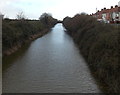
59 21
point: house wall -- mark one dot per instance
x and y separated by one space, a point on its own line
114 15
108 16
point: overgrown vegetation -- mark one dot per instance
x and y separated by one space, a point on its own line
99 43
17 32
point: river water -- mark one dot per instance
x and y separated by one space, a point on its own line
51 64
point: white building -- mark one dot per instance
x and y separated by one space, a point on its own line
119 10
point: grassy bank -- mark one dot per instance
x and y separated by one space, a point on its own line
99 43
15 33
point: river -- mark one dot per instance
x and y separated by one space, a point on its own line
50 64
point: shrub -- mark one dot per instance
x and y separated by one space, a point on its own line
16 32
99 44
47 20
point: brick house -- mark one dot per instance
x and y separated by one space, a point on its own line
111 15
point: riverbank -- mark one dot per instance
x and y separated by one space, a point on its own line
51 64
99 44
18 46
16 33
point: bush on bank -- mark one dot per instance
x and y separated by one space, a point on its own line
16 32
99 44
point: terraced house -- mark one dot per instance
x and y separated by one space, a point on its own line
111 15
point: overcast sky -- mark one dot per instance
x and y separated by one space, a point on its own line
58 8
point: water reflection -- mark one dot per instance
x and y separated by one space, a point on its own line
9 60
51 64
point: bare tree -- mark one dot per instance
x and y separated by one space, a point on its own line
21 16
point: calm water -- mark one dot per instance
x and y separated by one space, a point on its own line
49 64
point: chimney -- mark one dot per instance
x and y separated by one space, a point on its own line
111 7
116 6
104 8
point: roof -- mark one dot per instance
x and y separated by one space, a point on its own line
115 9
